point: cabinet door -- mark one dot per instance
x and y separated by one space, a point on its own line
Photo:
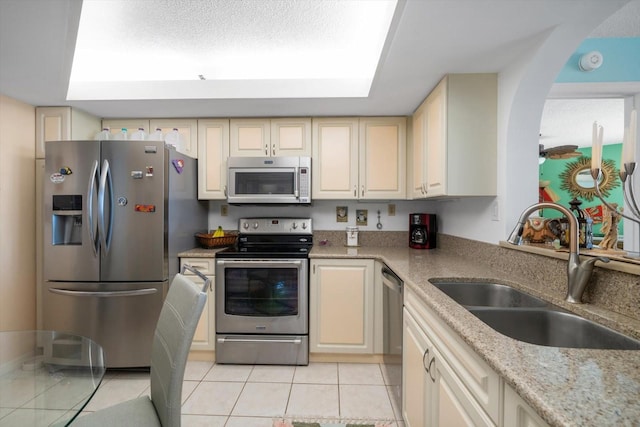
418 177
436 140
382 162
131 125
341 306
452 404
335 159
205 334
188 130
517 413
416 383
213 150
52 124
250 137
291 137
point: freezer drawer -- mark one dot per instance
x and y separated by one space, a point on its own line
121 317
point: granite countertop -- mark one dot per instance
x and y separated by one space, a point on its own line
568 387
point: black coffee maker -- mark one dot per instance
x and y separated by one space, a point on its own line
422 231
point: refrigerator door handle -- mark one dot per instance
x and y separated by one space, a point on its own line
108 294
93 177
105 230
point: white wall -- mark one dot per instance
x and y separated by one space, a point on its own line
522 89
17 215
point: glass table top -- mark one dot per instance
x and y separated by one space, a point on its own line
46 377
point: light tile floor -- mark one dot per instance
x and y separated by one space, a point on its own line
252 396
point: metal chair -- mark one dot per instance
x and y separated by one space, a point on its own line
171 343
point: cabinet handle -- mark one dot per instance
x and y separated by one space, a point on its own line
225 191
355 191
433 378
424 357
266 150
363 191
273 150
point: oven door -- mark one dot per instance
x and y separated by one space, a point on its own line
262 296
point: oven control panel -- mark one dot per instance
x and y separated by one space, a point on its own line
275 225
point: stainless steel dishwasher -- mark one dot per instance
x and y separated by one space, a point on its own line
392 332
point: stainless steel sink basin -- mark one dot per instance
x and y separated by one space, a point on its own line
488 295
521 316
554 328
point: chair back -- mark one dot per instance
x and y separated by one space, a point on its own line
171 343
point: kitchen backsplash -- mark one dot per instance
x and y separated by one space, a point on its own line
323 213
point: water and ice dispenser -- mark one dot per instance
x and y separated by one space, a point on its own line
66 219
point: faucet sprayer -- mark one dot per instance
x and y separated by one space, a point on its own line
578 273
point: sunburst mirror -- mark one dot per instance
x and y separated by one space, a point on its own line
577 180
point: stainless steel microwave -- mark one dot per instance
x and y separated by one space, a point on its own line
284 180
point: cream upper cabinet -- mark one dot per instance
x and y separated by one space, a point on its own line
382 158
455 138
205 334
213 150
63 123
291 137
335 158
271 137
250 137
359 158
341 315
187 128
418 155
131 125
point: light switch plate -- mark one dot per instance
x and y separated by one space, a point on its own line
224 210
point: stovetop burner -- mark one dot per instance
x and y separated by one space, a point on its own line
271 238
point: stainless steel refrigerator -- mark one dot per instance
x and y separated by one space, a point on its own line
116 214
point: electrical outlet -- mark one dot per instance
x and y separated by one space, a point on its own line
495 210
391 209
224 210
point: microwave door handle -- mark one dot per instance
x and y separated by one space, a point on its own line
296 184
93 177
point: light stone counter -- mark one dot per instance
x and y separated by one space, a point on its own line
568 387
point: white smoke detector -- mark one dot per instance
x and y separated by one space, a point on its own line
590 61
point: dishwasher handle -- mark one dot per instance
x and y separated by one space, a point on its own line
391 281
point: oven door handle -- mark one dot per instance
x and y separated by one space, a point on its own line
261 262
249 340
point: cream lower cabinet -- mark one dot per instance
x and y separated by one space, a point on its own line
341 300
444 382
205 335
517 413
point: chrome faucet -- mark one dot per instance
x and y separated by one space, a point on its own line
578 273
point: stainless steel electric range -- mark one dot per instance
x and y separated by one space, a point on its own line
262 293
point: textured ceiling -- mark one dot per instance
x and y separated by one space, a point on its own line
570 121
429 39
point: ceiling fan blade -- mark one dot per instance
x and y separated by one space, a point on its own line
564 155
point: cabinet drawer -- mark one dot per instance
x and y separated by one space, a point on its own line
481 380
205 266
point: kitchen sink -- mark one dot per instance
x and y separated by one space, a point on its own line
488 295
526 318
554 328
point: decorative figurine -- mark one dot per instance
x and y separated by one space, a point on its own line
610 220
